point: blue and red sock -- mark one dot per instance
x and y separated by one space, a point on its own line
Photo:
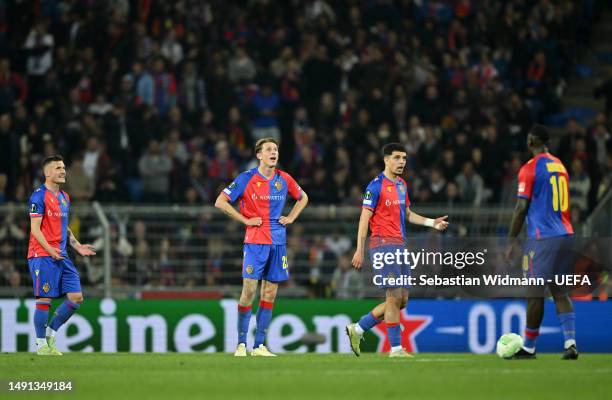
244 317
368 322
394 334
568 325
41 318
531 335
63 314
264 316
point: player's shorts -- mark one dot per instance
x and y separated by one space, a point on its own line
548 257
265 261
389 275
53 278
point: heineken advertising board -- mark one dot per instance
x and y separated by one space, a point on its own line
298 326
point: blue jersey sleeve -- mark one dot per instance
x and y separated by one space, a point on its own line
237 187
371 195
37 203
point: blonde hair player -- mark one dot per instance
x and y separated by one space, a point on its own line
262 193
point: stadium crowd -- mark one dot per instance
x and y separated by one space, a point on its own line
161 101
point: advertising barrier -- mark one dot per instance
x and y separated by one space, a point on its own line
298 326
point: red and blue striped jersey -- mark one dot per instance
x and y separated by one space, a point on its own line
388 201
544 181
54 210
260 197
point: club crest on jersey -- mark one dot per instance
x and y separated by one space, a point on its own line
46 288
389 189
258 184
278 185
249 269
401 189
64 202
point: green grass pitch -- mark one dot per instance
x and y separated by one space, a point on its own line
312 376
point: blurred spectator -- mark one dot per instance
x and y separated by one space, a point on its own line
13 88
603 143
338 243
222 168
605 90
580 185
241 67
265 123
91 157
164 87
485 71
79 185
568 143
453 196
155 167
143 84
9 148
470 185
239 134
171 48
346 281
39 47
192 90
10 232
9 275
437 186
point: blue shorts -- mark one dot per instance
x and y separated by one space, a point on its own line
265 261
545 258
384 272
52 278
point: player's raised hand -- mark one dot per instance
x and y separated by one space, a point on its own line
285 220
255 221
358 259
86 250
441 223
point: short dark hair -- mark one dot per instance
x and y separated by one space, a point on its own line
389 148
261 142
48 160
540 132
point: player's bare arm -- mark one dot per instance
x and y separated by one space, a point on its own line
35 223
439 224
297 209
518 217
362 233
223 204
84 250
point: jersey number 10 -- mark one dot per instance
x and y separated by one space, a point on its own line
560 193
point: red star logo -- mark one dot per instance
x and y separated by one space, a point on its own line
411 326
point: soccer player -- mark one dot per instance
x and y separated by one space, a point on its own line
386 207
262 193
543 197
53 274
